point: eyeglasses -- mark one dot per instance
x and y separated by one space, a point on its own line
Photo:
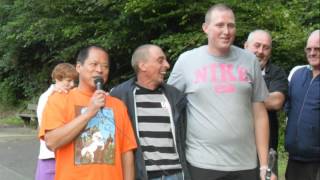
309 49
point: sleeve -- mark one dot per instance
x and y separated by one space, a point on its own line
280 82
176 77
127 136
42 103
116 92
293 70
260 91
54 113
287 105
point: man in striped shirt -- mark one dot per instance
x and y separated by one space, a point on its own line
157 113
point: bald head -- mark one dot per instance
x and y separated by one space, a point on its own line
150 64
141 54
315 35
217 7
261 33
313 49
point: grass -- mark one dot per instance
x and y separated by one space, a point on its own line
282 155
8 116
282 160
11 121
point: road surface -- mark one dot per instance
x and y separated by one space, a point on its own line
19 148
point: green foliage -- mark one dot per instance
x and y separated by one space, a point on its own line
11 121
36 35
180 42
282 154
6 95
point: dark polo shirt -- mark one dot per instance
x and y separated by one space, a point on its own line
276 81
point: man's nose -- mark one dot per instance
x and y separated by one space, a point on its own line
226 29
99 68
166 64
260 50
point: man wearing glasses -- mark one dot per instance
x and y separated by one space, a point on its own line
303 108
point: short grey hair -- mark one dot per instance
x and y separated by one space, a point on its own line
220 7
251 34
140 54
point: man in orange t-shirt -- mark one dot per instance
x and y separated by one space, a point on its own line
90 132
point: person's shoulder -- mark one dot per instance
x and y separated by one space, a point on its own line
193 51
275 67
186 57
55 95
115 102
300 69
172 89
294 69
60 97
299 73
122 86
48 92
297 67
304 69
243 53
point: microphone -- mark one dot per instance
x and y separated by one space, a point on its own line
98 81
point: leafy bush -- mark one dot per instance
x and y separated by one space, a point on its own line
36 35
7 93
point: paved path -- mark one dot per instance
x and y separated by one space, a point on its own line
19 148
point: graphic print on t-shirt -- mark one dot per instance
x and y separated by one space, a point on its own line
222 76
95 145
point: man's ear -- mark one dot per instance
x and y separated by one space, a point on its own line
142 66
205 27
78 66
245 44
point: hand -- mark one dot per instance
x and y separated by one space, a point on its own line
263 172
60 88
273 177
97 101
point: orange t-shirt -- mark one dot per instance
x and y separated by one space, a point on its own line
95 154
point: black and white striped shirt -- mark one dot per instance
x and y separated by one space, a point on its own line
156 130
